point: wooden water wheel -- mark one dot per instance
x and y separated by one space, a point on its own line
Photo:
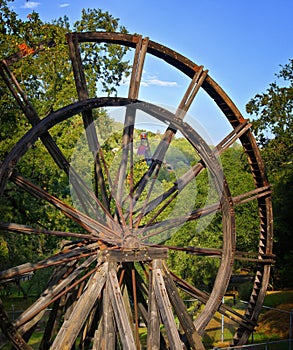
114 278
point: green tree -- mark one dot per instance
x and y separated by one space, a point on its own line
273 122
207 231
273 125
47 79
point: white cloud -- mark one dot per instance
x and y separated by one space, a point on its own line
153 80
64 5
159 82
30 5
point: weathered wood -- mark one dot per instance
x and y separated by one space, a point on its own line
143 297
224 309
50 326
88 120
91 225
17 228
186 322
129 120
121 318
135 306
137 67
126 302
130 255
60 258
10 331
30 112
109 331
111 233
165 308
71 327
153 337
186 178
190 93
168 224
53 292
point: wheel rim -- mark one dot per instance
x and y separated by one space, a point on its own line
207 156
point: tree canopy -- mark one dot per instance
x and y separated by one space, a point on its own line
46 78
273 126
52 87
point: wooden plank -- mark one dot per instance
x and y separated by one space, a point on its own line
165 308
168 224
50 326
57 259
153 337
59 273
126 302
17 228
130 114
97 326
33 117
87 116
120 314
130 255
137 67
185 179
11 332
193 337
82 219
195 84
72 326
135 305
109 334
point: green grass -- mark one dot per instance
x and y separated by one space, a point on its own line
271 323
274 299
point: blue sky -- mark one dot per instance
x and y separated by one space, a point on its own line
241 42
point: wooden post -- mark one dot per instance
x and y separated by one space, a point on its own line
153 338
71 327
193 337
10 331
122 320
165 307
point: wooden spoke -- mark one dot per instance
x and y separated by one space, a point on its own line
88 120
217 253
142 211
155 166
54 292
127 139
161 150
19 94
92 226
121 317
72 326
203 297
194 86
57 259
46 138
137 67
11 333
260 192
168 224
233 136
16 228
186 178
115 273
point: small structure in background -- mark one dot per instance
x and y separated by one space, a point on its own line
144 148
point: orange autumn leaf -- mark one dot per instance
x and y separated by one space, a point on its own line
25 49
